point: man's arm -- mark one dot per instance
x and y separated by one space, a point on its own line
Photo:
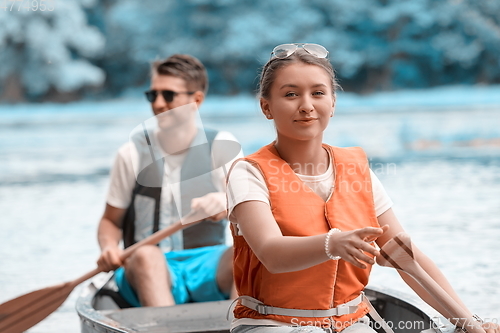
121 185
109 235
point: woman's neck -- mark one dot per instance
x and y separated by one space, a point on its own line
304 157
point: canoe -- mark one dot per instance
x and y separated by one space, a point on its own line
99 310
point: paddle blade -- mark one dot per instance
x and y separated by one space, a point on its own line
23 312
397 252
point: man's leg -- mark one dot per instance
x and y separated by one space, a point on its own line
147 273
225 274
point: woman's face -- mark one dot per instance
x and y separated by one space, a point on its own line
300 101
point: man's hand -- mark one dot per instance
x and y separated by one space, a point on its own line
110 258
212 205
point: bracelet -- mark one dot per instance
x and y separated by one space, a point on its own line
327 243
478 319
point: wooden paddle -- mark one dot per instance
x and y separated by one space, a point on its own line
398 253
25 311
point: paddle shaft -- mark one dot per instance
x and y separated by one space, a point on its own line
151 240
154 238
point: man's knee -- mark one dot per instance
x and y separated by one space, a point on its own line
145 258
225 271
226 262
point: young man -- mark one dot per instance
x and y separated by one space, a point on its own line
194 264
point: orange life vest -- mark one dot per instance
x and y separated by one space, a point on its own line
301 212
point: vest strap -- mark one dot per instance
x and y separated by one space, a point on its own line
343 309
375 315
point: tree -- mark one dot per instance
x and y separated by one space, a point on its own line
45 46
373 44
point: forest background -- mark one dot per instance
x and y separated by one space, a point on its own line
103 49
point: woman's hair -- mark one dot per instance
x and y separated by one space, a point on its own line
185 67
269 70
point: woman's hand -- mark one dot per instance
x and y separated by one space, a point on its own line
490 327
352 245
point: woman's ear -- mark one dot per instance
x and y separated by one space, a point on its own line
264 106
333 107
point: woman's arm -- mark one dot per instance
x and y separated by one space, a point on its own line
389 219
281 254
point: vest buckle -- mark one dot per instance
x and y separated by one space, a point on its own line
262 309
345 309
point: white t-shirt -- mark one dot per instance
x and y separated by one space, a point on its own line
246 183
123 181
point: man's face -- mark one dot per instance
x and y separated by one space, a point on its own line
172 113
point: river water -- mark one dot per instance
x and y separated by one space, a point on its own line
439 164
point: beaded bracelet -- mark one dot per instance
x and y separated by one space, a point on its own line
327 244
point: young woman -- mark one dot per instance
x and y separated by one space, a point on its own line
304 214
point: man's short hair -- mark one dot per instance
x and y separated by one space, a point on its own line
185 67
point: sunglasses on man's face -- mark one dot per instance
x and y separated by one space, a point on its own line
168 95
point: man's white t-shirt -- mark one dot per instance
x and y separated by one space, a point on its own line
246 183
123 181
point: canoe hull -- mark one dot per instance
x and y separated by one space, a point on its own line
100 314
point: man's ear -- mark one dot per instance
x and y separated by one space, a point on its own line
199 97
264 106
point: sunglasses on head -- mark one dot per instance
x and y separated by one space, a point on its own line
168 95
285 50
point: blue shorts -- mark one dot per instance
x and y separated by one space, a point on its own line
192 272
